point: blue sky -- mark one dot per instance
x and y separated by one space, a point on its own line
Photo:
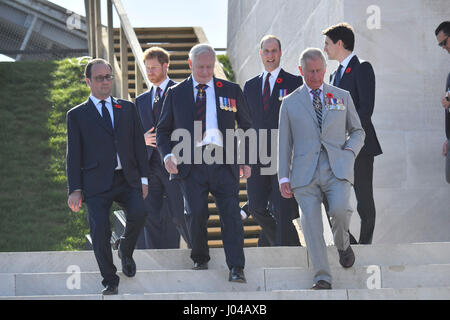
211 15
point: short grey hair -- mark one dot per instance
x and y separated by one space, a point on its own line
200 48
311 54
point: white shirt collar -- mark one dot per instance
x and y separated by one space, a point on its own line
273 74
346 61
163 85
210 84
96 101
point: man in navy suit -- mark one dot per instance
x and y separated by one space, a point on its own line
264 94
165 221
197 114
442 33
358 78
106 162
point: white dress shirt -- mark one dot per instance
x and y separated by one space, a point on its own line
273 77
108 104
162 86
344 65
212 133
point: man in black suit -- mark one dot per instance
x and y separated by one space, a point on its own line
358 78
198 113
442 33
106 162
166 222
264 94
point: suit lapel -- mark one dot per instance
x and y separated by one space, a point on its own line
305 96
326 90
348 71
95 115
116 112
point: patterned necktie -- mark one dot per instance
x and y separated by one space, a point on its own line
156 104
317 104
105 115
337 77
266 93
200 105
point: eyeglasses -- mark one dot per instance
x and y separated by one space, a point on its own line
108 77
443 43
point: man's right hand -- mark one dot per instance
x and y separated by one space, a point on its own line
444 148
285 189
75 200
171 165
150 138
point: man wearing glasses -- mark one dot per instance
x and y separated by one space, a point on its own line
106 162
442 34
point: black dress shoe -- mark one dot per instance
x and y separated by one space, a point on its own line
128 264
200 266
110 290
321 285
237 275
346 257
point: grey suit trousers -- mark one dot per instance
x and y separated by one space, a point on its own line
309 199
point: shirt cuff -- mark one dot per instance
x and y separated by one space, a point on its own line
144 180
284 180
169 155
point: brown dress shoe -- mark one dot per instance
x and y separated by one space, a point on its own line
321 285
346 257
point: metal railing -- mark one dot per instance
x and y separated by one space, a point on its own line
98 45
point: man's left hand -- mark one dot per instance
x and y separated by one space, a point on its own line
445 103
245 171
144 191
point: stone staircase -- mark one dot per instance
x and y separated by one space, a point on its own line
395 271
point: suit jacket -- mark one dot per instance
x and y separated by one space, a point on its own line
178 113
286 82
359 80
144 105
300 139
92 147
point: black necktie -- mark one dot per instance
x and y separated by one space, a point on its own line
266 93
156 105
337 77
105 115
200 105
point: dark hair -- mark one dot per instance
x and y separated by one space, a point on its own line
88 69
268 37
341 31
445 27
156 52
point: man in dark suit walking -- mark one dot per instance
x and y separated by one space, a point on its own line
442 33
264 94
198 113
164 224
106 162
358 78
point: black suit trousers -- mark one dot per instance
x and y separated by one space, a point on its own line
364 196
163 218
98 212
264 198
224 186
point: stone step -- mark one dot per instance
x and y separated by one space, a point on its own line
339 294
258 279
178 259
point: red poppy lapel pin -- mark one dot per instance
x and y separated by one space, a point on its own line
279 80
219 84
348 70
117 106
329 95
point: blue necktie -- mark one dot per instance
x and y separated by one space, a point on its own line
337 78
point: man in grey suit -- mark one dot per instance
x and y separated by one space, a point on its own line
320 136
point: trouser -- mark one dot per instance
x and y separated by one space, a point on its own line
309 198
98 211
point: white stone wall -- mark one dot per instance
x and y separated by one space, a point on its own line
411 195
